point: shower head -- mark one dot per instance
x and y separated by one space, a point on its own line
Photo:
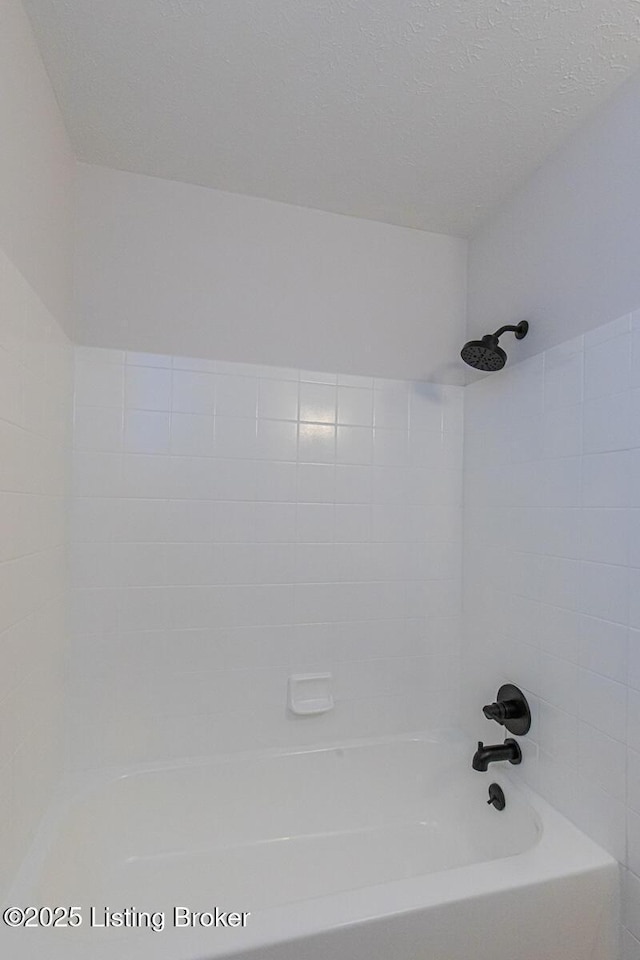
486 354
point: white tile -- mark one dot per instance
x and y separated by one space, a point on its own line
633 719
563 375
355 406
147 388
235 522
560 582
635 351
602 761
236 396
98 428
527 397
189 521
427 407
140 564
353 483
192 392
189 563
634 598
318 402
391 447
141 520
633 779
607 424
605 535
99 384
559 482
316 443
557 732
633 651
235 437
278 399
559 683
559 631
199 478
604 591
316 482
315 563
606 479
96 474
602 703
146 431
277 440
352 522
607 367
92 519
391 406
354 445
634 478
275 522
562 432
275 480
93 565
145 475
601 816
315 522
603 648
192 435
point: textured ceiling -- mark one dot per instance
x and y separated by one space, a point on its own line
425 113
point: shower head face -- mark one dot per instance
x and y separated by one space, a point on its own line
484 354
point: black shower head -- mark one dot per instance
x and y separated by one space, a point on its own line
486 354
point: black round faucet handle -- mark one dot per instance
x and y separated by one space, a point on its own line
510 710
494 711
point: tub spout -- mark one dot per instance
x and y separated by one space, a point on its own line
509 750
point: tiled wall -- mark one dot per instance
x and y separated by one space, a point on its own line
234 524
552 577
35 420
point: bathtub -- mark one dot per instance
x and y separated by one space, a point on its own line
375 850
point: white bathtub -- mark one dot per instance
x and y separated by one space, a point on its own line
381 850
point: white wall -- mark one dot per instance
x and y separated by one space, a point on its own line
35 409
178 269
234 524
564 252
35 428
552 577
36 168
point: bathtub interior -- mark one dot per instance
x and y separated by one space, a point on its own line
270 829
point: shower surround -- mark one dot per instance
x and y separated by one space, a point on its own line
552 577
236 524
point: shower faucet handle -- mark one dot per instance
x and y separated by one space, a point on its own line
510 710
503 710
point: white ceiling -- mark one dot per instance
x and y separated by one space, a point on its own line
425 113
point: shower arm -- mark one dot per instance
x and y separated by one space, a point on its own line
520 330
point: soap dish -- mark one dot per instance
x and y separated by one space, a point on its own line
309 694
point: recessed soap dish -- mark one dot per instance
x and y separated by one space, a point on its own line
309 694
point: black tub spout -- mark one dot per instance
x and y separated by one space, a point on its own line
509 750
